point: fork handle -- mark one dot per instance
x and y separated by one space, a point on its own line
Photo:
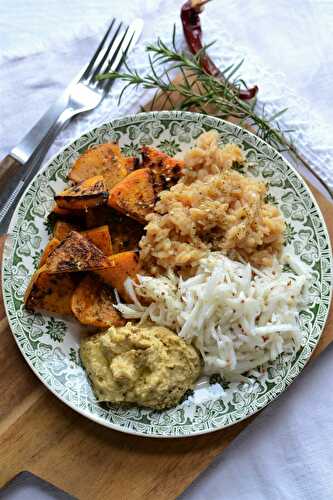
57 126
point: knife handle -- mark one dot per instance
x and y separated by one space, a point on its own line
10 169
11 174
15 177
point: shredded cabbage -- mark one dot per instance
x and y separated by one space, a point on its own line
237 316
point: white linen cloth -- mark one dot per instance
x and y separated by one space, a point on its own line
287 452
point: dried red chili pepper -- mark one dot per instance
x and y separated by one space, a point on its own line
190 16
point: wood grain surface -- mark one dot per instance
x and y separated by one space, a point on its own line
41 434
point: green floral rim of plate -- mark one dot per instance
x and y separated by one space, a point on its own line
50 345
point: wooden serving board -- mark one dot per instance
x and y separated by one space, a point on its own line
41 434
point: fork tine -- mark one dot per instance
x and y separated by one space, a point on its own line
100 64
114 50
129 39
132 35
99 48
106 84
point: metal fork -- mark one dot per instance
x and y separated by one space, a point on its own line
83 94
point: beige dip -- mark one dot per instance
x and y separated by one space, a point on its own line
146 365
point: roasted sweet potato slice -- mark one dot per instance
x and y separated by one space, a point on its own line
75 253
165 169
105 160
47 250
89 193
50 292
134 196
62 229
125 232
122 266
124 239
92 304
100 237
99 216
61 211
131 163
75 217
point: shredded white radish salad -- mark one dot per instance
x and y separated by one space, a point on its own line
238 317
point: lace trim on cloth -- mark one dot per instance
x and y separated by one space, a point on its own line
311 135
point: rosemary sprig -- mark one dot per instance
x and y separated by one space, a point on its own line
201 91
221 93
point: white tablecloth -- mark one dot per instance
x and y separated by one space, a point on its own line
287 453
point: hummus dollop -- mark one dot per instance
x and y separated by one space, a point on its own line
147 365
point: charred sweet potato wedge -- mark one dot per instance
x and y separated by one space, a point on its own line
76 253
65 212
165 169
99 216
125 232
47 250
75 217
50 292
131 162
92 304
100 237
134 196
122 266
89 193
105 160
62 229
123 241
